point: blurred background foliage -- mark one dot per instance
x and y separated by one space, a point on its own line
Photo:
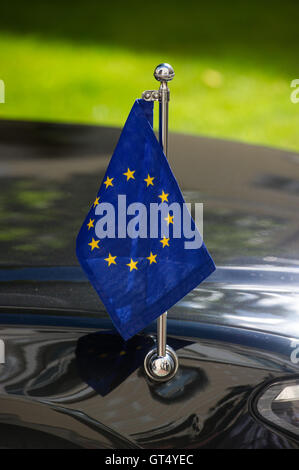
86 61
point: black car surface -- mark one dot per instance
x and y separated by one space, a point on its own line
67 378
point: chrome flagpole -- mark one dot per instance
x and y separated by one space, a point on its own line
164 73
161 363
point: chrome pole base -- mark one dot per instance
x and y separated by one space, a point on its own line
161 368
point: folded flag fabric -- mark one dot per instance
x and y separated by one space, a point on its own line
138 268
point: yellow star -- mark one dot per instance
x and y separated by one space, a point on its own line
132 265
108 182
129 174
152 258
110 259
164 197
149 180
169 219
90 224
94 244
165 242
96 202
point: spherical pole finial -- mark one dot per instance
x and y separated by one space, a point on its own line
164 73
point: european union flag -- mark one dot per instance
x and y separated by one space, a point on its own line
140 268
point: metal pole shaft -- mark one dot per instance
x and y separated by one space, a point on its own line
162 334
163 114
161 362
163 138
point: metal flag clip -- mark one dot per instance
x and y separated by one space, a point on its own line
161 362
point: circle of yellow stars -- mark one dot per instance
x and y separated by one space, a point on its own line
132 265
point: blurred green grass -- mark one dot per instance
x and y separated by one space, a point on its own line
87 61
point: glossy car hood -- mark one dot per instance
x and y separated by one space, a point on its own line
50 173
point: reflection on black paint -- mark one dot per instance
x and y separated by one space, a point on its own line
179 434
186 383
105 360
278 183
227 426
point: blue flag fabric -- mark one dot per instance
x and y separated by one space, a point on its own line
138 278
